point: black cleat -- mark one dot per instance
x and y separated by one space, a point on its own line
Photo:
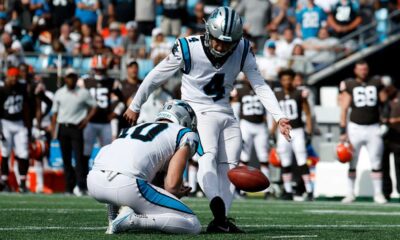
226 227
287 196
310 197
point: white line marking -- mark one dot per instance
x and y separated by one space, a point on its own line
294 236
55 210
352 212
34 228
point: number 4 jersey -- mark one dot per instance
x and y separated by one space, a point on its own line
143 150
365 100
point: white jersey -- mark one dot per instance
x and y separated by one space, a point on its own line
143 150
206 84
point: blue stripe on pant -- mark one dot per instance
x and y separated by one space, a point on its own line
157 198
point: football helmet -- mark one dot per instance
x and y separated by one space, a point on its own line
180 112
274 158
225 25
344 152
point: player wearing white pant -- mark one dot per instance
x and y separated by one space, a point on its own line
210 63
293 102
364 96
123 170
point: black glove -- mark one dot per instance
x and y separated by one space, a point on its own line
308 138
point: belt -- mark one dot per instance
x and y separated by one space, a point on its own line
70 125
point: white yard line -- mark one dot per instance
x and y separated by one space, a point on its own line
293 236
352 212
35 228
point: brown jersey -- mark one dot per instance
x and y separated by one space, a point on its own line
12 101
292 105
129 89
251 108
101 91
394 129
365 100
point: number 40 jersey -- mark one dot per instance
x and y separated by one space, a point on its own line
143 150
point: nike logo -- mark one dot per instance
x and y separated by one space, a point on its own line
223 229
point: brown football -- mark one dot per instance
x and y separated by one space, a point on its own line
248 179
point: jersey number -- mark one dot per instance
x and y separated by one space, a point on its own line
13 104
365 96
289 107
145 132
101 96
252 106
215 88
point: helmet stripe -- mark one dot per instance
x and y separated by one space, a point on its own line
226 19
233 13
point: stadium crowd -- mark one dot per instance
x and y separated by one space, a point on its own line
125 39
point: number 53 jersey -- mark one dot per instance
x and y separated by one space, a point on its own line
365 100
143 150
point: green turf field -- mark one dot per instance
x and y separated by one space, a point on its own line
66 217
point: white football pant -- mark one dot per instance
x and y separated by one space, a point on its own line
368 135
254 134
16 137
297 145
222 142
93 131
160 210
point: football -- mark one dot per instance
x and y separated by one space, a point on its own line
248 179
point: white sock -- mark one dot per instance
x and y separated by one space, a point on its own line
307 183
39 176
377 182
264 169
192 178
287 182
166 222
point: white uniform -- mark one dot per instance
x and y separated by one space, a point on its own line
123 170
206 87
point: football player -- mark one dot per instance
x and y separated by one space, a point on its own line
101 87
123 170
364 96
15 127
253 125
210 64
293 102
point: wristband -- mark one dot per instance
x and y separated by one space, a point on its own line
342 130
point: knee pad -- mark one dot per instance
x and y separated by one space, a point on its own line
303 170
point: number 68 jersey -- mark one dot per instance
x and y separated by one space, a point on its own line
145 149
365 100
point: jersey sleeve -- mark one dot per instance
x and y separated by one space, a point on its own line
159 75
187 137
263 91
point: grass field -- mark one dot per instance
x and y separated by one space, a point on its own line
66 217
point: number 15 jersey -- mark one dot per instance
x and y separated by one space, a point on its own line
143 150
365 100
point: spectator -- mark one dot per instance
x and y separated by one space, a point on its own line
76 34
114 41
41 10
173 13
98 45
21 11
54 59
270 64
10 50
159 46
283 16
88 12
65 38
3 22
61 11
391 141
298 62
87 35
145 16
72 109
344 17
322 50
133 41
284 47
196 23
309 20
122 11
258 16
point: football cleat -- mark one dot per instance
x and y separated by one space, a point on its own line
287 196
310 197
380 199
225 227
123 222
349 199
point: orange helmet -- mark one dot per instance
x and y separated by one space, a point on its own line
99 62
344 152
274 158
38 149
